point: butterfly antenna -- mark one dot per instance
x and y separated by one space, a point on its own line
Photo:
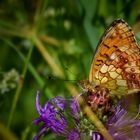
51 77
67 69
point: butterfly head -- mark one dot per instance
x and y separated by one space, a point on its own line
86 86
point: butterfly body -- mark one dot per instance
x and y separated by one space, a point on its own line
115 68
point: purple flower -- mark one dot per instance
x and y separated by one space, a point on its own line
122 126
53 114
75 108
74 134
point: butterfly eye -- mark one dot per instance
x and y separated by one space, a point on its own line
89 104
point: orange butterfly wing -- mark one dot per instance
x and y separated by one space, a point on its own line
116 64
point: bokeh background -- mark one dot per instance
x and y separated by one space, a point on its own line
48 45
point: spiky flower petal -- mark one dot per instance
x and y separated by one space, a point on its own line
123 126
53 115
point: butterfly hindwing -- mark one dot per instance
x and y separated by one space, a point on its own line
116 64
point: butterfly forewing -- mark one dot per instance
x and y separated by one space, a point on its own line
116 64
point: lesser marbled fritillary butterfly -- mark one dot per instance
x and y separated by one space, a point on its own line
115 69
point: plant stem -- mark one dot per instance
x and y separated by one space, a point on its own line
97 123
95 120
19 88
49 59
31 68
6 134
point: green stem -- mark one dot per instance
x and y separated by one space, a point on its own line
19 88
92 116
23 58
6 134
25 133
97 123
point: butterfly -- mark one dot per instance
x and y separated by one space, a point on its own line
115 68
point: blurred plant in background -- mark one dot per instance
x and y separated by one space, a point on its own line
50 45
9 81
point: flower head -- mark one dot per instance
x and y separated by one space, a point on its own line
123 126
53 114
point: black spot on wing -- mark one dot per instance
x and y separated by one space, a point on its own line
100 60
106 45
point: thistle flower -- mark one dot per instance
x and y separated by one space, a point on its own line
122 126
53 116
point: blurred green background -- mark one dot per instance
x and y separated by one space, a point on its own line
48 45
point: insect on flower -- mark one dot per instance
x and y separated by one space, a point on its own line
115 68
